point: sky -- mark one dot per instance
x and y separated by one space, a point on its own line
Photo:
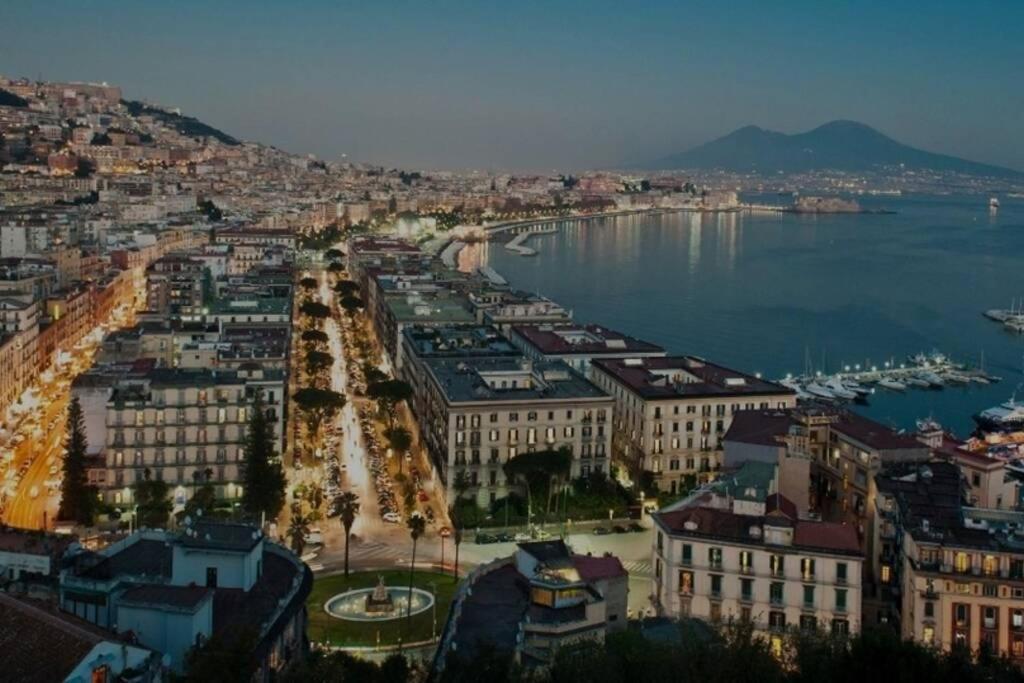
543 85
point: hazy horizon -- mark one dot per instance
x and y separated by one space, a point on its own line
539 86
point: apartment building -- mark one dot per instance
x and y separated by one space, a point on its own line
479 413
175 286
774 570
672 412
185 424
957 572
578 345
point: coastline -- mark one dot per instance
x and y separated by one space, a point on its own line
449 249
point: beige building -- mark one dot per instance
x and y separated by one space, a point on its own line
479 413
773 570
671 413
182 425
959 570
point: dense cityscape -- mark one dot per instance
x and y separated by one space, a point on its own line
265 417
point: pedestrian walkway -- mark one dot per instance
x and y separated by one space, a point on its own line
639 568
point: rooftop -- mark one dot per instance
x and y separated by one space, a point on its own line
675 377
582 340
446 341
509 379
715 523
427 307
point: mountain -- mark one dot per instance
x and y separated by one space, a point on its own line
838 145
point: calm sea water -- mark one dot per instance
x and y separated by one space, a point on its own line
765 293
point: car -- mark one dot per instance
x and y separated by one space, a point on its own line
423 497
504 537
483 539
601 531
636 527
391 517
314 536
619 529
33 492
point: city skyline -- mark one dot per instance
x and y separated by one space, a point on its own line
536 87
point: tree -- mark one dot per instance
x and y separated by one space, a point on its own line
417 525
460 484
308 283
85 168
335 267
315 338
333 255
152 503
347 507
372 374
226 657
400 440
318 362
203 500
315 310
351 304
263 490
298 530
388 394
318 405
78 499
338 667
538 471
346 288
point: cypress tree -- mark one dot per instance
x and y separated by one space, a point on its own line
78 499
263 478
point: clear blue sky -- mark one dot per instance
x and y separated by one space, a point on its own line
543 84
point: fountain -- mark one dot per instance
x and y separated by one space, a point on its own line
380 599
379 603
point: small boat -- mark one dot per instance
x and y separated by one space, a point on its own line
818 390
932 379
1007 417
993 203
916 382
955 378
1014 324
835 385
892 384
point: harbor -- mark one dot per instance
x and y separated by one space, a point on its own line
1012 318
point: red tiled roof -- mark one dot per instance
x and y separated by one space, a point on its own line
826 536
596 568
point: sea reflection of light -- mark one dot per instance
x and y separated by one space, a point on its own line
693 224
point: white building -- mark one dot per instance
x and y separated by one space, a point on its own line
775 571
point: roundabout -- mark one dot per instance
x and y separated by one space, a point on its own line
379 604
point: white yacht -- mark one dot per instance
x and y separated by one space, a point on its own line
894 385
1008 417
818 390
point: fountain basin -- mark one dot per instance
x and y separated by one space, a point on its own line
352 605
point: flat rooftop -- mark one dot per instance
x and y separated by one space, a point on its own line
465 380
676 377
582 340
428 307
446 341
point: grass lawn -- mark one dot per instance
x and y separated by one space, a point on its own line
325 628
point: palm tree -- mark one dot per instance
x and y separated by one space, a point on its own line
461 484
347 508
298 530
417 525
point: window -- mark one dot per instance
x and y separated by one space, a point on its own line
687 554
962 563
746 589
715 557
928 634
808 623
808 596
777 565
929 610
716 611
777 620
686 583
716 586
840 572
840 627
886 573
211 577
807 569
989 617
990 565
1017 619
840 599
746 561
745 614
775 592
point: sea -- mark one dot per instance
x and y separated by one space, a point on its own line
781 293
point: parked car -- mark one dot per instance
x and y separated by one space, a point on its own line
635 527
601 531
314 536
619 529
485 538
392 517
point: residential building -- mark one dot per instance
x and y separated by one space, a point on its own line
479 413
775 571
671 413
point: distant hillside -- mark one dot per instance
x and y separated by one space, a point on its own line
186 125
839 145
9 99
